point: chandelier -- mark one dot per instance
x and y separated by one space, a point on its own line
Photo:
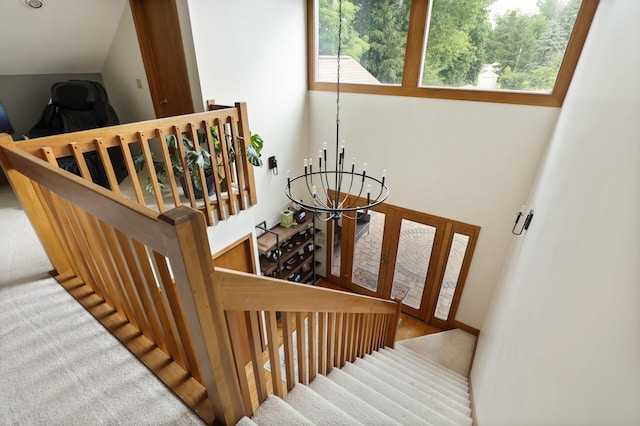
341 191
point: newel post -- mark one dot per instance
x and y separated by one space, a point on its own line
194 277
393 325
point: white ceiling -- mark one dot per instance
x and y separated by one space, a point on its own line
63 36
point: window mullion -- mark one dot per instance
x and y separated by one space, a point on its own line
415 43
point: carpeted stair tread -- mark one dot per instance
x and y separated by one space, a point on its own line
375 398
275 412
406 401
246 421
425 377
429 362
446 406
316 408
348 402
427 371
416 361
452 349
426 361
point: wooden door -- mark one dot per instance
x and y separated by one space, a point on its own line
393 252
158 29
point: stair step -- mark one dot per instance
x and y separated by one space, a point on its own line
419 364
426 361
446 406
375 398
246 421
426 379
275 412
407 401
348 402
316 408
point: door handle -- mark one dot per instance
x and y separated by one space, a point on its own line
164 101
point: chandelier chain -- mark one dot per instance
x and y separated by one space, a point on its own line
335 202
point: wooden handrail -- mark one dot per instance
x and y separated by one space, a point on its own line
149 278
331 328
242 291
233 184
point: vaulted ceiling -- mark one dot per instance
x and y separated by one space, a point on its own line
63 36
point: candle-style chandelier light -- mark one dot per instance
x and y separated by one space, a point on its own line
341 192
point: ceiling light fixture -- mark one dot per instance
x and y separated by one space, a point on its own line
34 4
330 190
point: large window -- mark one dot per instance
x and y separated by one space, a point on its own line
512 51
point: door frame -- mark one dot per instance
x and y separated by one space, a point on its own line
169 60
443 241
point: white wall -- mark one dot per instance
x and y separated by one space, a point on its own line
469 161
255 52
122 68
186 32
561 343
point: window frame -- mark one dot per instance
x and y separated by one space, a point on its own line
416 38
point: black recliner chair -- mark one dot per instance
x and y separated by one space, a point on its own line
80 105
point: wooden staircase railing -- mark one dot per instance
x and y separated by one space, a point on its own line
149 278
232 186
331 327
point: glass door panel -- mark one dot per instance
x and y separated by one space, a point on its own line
451 275
336 250
412 262
367 252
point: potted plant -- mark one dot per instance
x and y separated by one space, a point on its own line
199 158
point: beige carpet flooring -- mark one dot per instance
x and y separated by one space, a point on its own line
58 365
452 349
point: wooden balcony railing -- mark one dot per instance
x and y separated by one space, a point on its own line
142 160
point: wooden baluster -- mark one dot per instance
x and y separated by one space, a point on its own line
188 181
274 356
201 174
108 166
356 338
301 333
285 320
128 161
107 254
211 146
80 161
241 164
254 331
119 258
79 233
369 324
168 166
322 343
184 343
339 358
164 323
346 337
246 134
312 318
331 341
236 344
151 169
142 291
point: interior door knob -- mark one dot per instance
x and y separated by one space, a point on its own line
164 101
